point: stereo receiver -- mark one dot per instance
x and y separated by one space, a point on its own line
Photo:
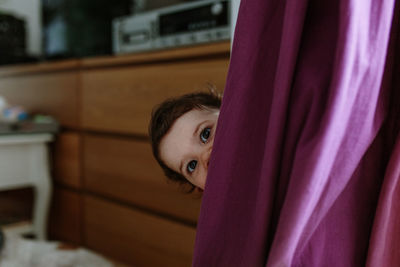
183 24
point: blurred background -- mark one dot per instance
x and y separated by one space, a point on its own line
78 81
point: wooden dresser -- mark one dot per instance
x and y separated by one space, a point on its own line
109 193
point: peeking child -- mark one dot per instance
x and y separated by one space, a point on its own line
182 134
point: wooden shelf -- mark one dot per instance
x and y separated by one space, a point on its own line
33 68
173 54
213 49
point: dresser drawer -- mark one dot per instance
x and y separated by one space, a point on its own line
134 237
65 222
50 93
126 170
67 159
121 99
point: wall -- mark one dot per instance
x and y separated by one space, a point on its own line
234 15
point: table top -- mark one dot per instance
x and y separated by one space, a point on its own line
25 138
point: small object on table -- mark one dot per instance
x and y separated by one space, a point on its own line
38 124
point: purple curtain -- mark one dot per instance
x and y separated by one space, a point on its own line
385 241
306 130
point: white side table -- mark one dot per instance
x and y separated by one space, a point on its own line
24 162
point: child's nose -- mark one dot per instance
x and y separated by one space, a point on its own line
206 157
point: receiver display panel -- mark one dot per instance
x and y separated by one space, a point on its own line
197 19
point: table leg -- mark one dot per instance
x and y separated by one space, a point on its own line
41 180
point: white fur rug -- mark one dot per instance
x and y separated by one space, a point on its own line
19 252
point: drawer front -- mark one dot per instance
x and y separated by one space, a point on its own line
67 159
54 94
65 223
134 237
125 169
121 99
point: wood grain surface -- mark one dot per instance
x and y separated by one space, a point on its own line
126 170
42 67
53 94
121 99
203 50
67 159
66 216
134 237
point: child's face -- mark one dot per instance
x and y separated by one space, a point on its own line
187 146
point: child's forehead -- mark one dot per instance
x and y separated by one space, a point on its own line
198 113
187 123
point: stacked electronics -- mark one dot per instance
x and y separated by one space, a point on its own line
12 39
178 25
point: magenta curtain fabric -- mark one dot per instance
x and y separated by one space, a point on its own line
307 128
385 241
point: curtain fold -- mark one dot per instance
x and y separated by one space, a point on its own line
384 247
385 241
299 154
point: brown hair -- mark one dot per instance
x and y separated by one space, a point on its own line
165 114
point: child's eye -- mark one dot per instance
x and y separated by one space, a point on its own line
191 166
205 134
